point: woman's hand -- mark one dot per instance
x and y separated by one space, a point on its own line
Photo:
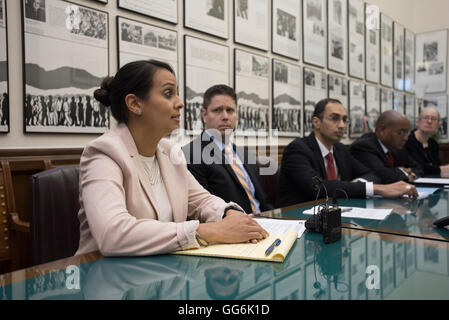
237 227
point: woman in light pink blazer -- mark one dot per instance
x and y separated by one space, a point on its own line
120 212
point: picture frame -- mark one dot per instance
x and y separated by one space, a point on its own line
338 88
286 99
356 39
409 61
314 32
4 72
207 16
398 102
315 89
337 32
102 1
372 44
159 9
356 109
409 102
251 83
372 94
285 33
58 91
386 49
141 41
439 102
386 100
399 55
431 61
251 23
205 63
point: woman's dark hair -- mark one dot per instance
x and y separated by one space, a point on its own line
134 77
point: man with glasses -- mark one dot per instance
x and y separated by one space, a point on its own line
424 149
383 151
321 157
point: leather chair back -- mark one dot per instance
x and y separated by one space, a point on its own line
55 230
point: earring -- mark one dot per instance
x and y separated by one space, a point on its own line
139 112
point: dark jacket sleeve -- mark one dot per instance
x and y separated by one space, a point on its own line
416 151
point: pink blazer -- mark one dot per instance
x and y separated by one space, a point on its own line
118 214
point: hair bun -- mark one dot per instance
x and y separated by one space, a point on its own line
103 93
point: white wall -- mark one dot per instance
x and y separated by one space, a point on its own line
416 15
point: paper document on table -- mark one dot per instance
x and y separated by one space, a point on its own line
431 181
279 227
424 192
360 213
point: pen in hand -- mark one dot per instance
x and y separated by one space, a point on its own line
270 249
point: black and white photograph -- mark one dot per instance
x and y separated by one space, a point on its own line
337 33
409 61
372 44
314 44
338 89
206 63
356 109
35 10
356 25
409 103
285 28
315 89
251 26
439 103
251 84
166 10
431 61
208 16
398 102
4 87
386 101
432 259
58 91
287 111
399 51
372 106
386 49
141 41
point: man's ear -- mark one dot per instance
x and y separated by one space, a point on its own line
203 114
316 122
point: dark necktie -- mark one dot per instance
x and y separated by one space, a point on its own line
390 159
331 172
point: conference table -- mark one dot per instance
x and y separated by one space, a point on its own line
401 257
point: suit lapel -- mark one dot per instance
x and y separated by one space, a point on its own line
311 142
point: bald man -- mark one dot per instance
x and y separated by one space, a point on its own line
383 151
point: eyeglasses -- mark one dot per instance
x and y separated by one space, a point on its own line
335 118
429 118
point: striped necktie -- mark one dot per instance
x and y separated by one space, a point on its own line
238 170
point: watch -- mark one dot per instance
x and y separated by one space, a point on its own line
231 207
200 240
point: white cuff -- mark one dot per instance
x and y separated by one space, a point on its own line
190 228
369 189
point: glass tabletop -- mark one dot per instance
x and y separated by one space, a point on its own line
363 265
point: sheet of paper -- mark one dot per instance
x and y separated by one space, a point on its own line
279 227
360 213
432 181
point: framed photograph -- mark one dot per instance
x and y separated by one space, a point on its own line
399 47
337 30
372 44
409 63
372 105
208 16
251 83
338 89
251 23
386 101
287 111
386 50
102 1
315 89
356 39
285 28
431 61
206 64
398 102
432 259
439 103
4 82
141 41
65 59
159 9
410 110
356 109
314 43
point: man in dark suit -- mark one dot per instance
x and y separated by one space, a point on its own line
222 168
382 151
321 156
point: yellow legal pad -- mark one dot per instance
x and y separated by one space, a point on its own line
248 251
